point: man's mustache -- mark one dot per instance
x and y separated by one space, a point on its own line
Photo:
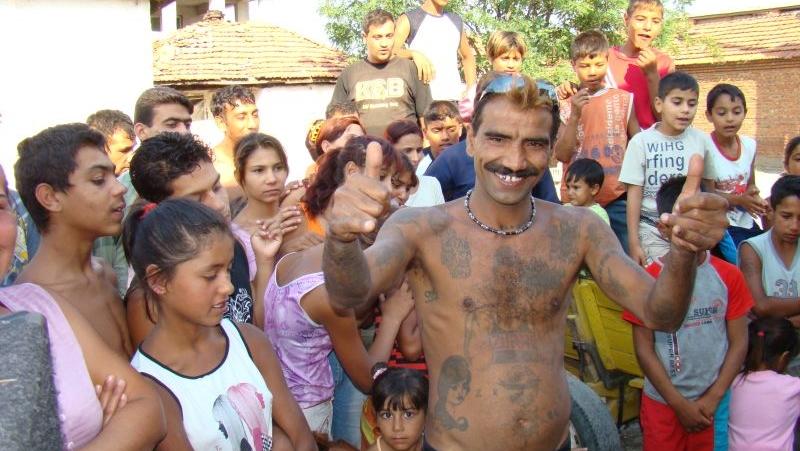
503 170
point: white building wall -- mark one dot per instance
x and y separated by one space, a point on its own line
286 112
63 60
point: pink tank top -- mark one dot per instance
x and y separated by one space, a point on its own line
79 409
301 344
244 238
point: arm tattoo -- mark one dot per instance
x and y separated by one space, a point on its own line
347 277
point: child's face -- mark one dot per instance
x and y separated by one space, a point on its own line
677 110
786 220
401 187
509 62
591 70
411 146
264 176
793 162
644 25
199 288
727 115
401 429
442 134
94 201
580 193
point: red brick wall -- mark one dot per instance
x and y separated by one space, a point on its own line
772 90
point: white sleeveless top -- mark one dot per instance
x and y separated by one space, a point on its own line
778 280
224 408
438 38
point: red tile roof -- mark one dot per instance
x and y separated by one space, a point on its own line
751 36
216 52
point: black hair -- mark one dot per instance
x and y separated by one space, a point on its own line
168 234
396 385
677 80
153 97
590 43
249 144
440 110
586 169
228 96
768 339
724 88
49 157
790 147
668 194
376 17
108 122
163 158
346 108
786 186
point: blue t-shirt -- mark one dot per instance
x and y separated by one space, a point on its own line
455 170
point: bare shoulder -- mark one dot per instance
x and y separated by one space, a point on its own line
416 221
104 271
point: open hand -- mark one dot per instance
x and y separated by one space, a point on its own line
425 70
753 203
398 303
699 219
360 201
112 396
267 239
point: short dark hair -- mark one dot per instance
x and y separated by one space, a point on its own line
163 158
399 128
49 157
249 144
395 385
440 110
153 97
790 147
668 193
633 4
677 80
724 88
768 339
108 122
589 43
172 233
228 96
376 17
586 169
786 186
346 108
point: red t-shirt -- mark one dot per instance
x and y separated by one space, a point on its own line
623 73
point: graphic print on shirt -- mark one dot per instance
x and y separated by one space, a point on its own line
785 288
698 316
664 160
240 307
380 93
241 416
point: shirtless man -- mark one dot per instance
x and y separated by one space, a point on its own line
490 279
236 115
67 183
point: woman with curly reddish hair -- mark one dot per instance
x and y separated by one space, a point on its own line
333 134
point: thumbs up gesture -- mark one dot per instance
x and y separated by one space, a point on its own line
698 220
360 201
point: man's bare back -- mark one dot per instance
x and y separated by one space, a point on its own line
92 292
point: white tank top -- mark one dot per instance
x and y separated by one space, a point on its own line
224 408
438 38
779 281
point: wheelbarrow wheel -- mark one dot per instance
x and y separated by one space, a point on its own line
591 425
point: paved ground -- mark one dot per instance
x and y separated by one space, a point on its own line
631 436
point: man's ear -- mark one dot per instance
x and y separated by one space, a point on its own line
221 125
155 279
140 130
48 197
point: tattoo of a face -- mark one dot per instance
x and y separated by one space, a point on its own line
456 255
453 388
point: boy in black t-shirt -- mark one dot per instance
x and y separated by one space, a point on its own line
384 88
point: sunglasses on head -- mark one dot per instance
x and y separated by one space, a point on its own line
505 83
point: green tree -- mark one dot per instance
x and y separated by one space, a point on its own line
548 26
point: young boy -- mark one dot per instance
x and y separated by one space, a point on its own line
236 115
597 124
436 42
654 156
583 181
770 261
442 127
730 165
688 372
67 183
384 88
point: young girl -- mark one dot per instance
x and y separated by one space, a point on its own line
82 363
218 380
304 327
765 402
406 137
400 398
261 170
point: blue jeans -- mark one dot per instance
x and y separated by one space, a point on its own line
619 223
347 405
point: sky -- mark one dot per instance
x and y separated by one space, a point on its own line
717 6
